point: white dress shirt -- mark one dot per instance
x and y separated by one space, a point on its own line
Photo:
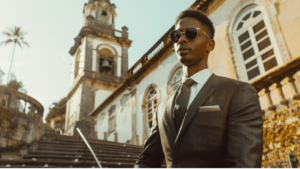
200 78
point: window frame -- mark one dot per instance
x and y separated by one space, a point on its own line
112 120
254 44
153 108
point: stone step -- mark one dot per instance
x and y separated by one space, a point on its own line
39 152
45 146
90 158
104 151
27 166
76 139
94 144
64 163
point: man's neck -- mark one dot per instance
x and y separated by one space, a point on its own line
189 71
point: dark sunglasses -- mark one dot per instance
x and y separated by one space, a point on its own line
190 33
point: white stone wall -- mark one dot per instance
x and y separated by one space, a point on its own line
100 96
124 117
73 105
81 58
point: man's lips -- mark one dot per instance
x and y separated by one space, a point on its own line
184 49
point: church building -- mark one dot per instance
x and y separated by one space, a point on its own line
256 42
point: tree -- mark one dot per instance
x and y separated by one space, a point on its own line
15 84
16 36
58 111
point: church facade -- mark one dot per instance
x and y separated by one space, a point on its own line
256 42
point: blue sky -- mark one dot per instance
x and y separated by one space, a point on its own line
51 26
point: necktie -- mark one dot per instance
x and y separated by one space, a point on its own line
181 101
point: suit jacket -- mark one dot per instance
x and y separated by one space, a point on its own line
229 137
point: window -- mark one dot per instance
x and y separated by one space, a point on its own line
151 104
104 13
176 79
112 119
255 43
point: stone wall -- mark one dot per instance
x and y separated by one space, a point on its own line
17 128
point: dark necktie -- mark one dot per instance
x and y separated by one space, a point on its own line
181 102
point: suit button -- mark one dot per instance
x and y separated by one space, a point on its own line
175 161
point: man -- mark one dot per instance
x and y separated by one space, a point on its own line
209 121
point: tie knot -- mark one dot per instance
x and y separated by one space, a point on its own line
189 82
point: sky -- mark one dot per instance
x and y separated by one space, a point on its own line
51 26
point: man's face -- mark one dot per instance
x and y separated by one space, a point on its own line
191 52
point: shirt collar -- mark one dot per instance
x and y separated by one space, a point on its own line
200 77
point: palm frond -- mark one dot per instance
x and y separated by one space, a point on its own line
7 33
15 35
17 30
21 34
25 43
19 44
6 42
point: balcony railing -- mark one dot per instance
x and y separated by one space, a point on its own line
281 129
152 54
21 123
12 98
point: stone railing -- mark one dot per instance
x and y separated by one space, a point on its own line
281 129
152 54
21 118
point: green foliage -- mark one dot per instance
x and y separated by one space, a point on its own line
58 111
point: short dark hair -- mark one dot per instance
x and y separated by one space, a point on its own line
200 16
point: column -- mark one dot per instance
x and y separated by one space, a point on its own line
283 101
269 99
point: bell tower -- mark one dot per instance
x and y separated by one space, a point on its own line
99 66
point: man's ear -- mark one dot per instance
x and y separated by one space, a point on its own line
210 45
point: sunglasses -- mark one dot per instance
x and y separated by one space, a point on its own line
190 33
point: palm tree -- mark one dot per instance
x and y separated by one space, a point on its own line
14 35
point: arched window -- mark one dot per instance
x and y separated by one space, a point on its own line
151 103
176 79
255 43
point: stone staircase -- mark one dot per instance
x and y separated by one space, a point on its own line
59 151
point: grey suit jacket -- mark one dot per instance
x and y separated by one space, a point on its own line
229 137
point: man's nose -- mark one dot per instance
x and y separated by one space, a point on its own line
182 39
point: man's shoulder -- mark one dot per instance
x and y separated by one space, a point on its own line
232 82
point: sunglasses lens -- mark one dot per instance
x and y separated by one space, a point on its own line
175 36
191 33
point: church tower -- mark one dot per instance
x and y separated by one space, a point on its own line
99 66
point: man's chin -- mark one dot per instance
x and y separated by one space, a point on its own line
185 61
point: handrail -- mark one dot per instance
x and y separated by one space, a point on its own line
88 145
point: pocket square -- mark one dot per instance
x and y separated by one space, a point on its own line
209 108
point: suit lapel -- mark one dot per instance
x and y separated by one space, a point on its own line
203 94
167 121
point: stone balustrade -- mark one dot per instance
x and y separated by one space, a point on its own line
281 128
21 118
